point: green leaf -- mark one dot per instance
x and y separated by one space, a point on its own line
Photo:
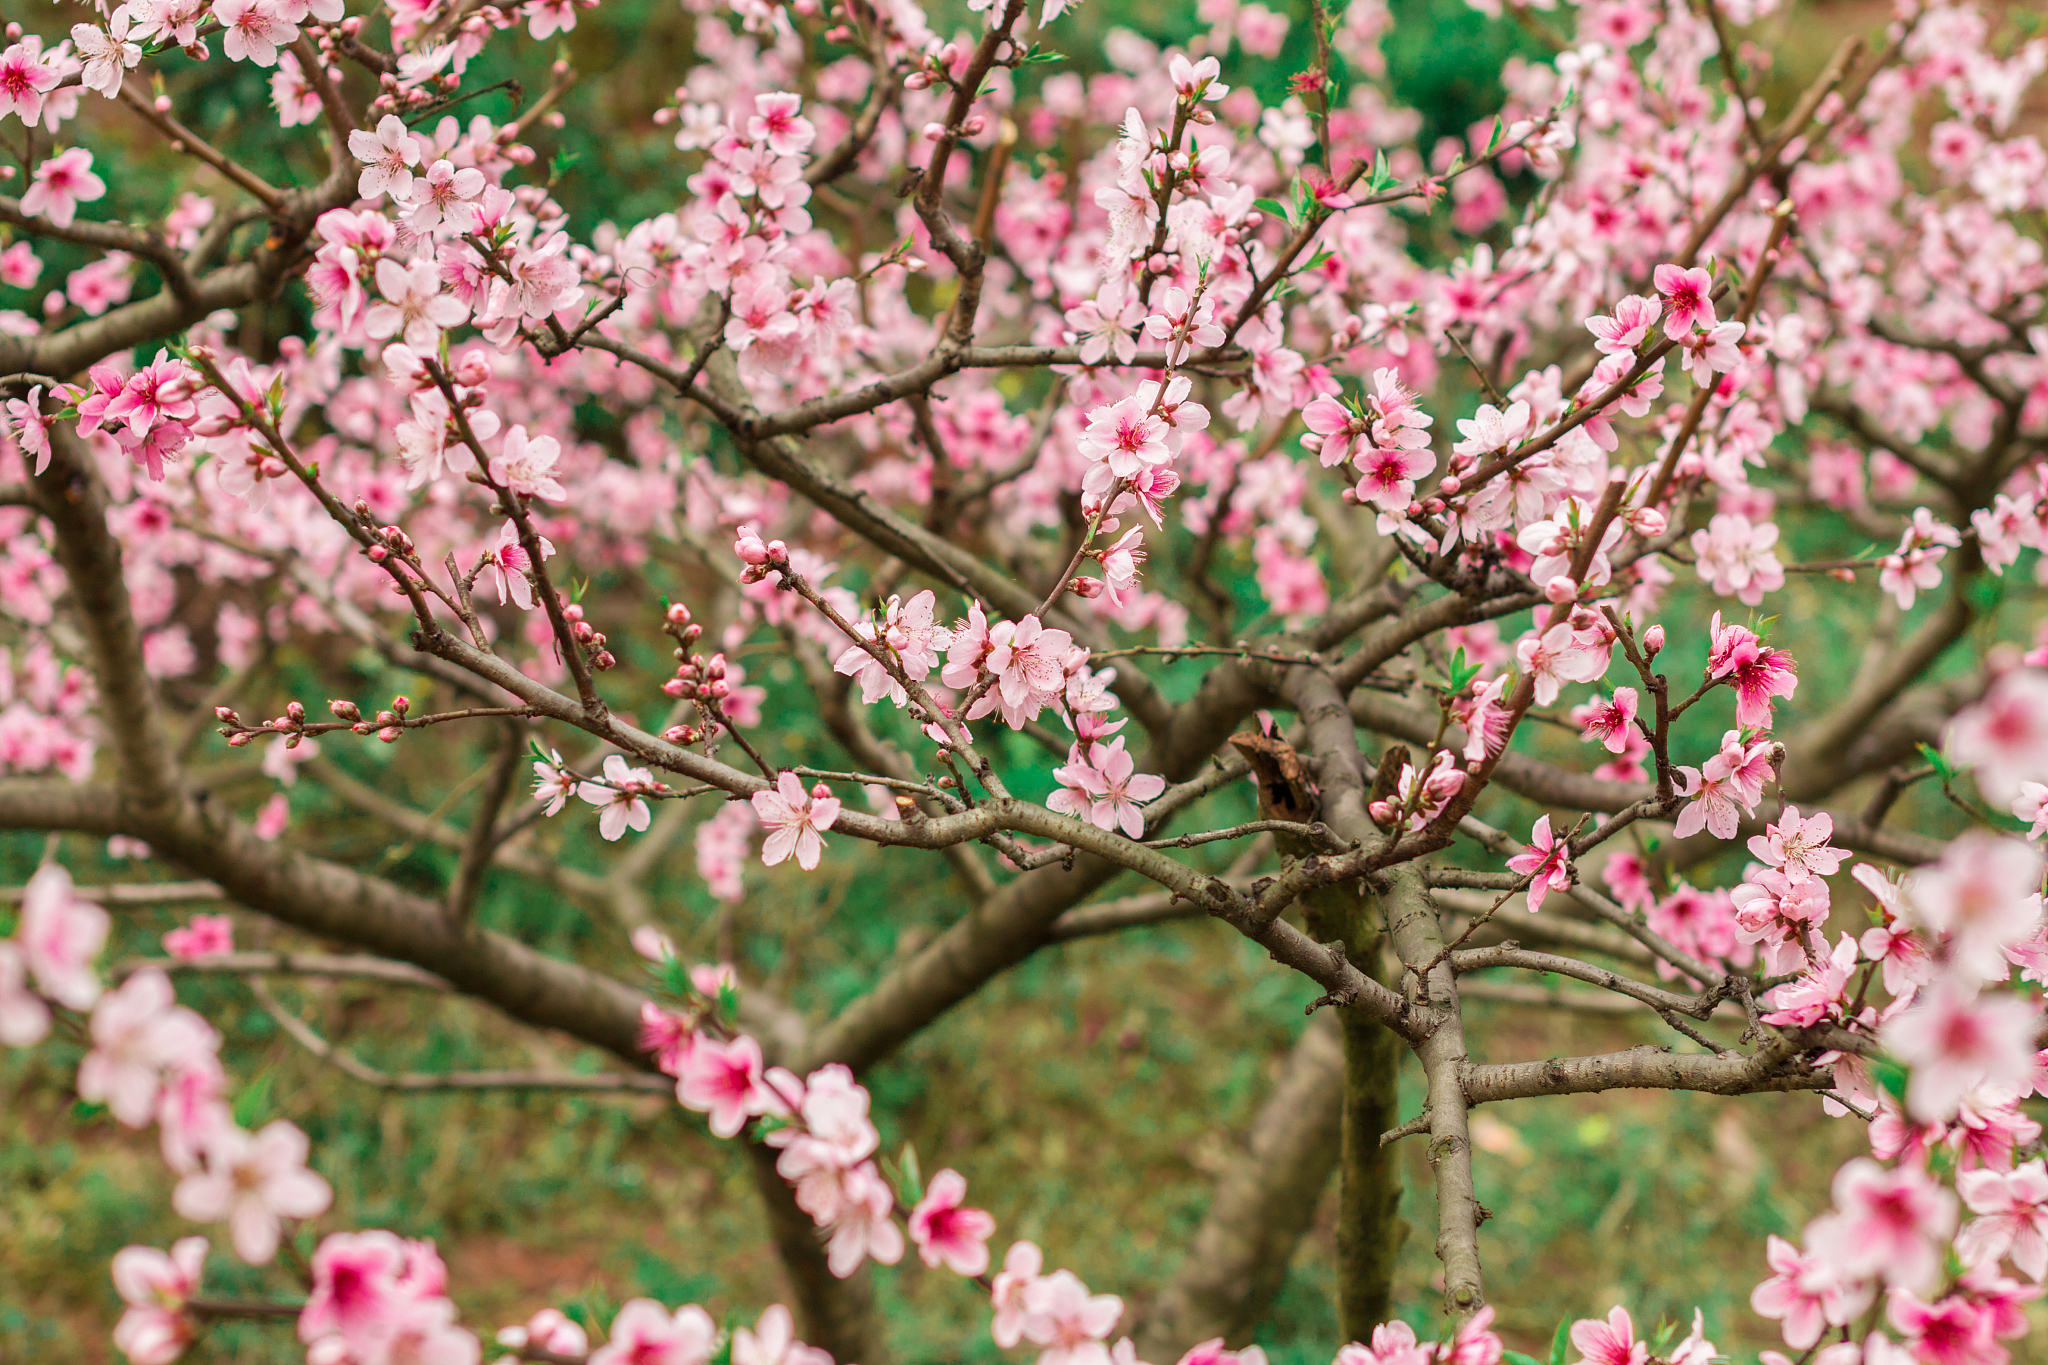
1518 1358
1461 672
1943 769
1382 177
1271 206
911 1184
1561 1339
1890 1075
728 1001
254 1101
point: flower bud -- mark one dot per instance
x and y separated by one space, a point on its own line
677 688
1560 590
917 80
572 612
390 733
239 738
226 713
401 704
1653 639
1089 588
295 712
692 633
583 631
677 614
605 661
344 710
378 554
714 667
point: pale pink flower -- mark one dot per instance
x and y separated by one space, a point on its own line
794 819
1546 862
1011 1293
2013 1218
1123 789
1956 1040
156 1330
622 797
1799 847
510 566
2031 807
138 1032
2004 736
62 183
414 306
253 1182
1491 430
553 784
437 190
645 1333
773 1341
527 465
1125 437
775 122
1890 1223
1554 658
389 155
254 30
1068 1322
1806 1294
24 1018
1628 328
1982 897
864 1224
1735 558
550 1330
106 52
724 1081
59 936
948 1233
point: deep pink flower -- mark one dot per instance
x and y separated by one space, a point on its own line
724 1081
1546 862
1612 1342
645 1333
1889 1223
1688 299
946 1232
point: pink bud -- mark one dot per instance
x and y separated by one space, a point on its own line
1450 485
226 713
401 704
572 612
678 614
934 131
239 738
674 687
344 710
1086 587
296 712
605 661
820 792
1560 590
917 80
1653 639
390 733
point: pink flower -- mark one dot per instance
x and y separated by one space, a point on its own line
356 1289
1982 897
864 1225
255 30
1612 1342
1612 722
63 182
1474 1343
1806 1294
527 466
1955 1040
414 306
1011 1293
794 820
666 1037
1071 1324
1029 663
2004 737
621 796
724 1081
253 1182
25 82
24 1018
156 1330
1954 1331
511 566
1799 847
1630 326
949 1234
1889 1223
1122 791
1125 437
59 936
1387 475
137 1032
204 936
390 153
775 122
645 1333
1393 1343
773 1342
1554 658
1735 558
1546 862
1688 299
2014 1218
